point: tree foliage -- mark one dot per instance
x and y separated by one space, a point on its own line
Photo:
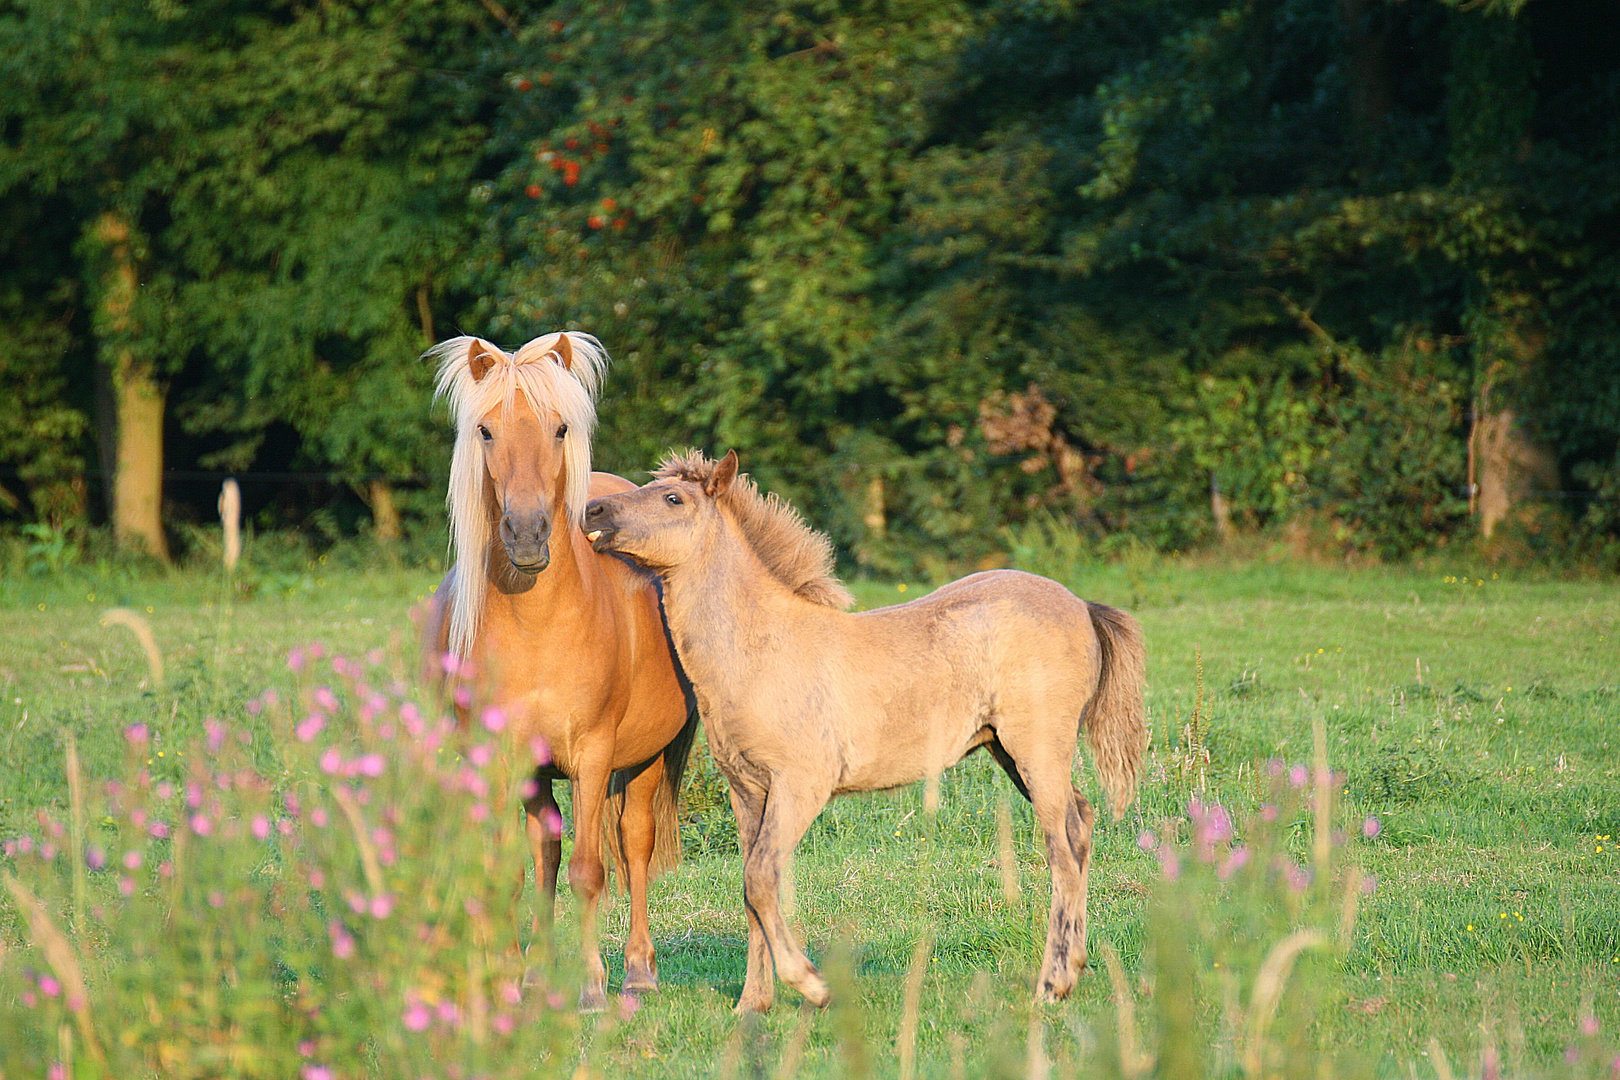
931 268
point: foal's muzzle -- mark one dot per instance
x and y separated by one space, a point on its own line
527 537
599 527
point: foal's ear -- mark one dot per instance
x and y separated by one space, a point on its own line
481 356
724 474
565 351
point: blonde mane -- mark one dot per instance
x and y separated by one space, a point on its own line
535 370
795 554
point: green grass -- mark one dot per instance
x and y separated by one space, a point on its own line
1471 713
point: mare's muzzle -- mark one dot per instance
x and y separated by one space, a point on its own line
527 537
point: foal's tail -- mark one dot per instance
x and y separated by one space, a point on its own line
666 809
1116 720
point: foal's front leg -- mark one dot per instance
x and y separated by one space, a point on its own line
759 985
790 807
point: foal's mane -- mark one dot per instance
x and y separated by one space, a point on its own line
795 554
536 370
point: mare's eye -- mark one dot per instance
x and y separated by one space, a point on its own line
673 498
562 429
483 433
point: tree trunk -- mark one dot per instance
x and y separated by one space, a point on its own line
138 399
384 512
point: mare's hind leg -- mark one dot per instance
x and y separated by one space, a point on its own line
543 823
790 807
759 984
639 832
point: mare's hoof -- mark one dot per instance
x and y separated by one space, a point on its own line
640 980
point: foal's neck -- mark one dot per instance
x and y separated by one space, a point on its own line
713 599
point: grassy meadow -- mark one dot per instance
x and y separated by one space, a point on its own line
1467 916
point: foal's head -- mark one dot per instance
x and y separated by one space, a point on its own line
522 451
664 524
669 522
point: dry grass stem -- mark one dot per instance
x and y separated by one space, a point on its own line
1006 856
793 1053
368 851
1269 983
1132 1062
911 1005
75 779
64 961
143 634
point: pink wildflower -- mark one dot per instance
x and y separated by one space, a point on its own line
260 827
1371 827
137 734
417 1017
494 719
309 727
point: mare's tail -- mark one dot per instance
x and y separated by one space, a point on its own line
1116 718
666 806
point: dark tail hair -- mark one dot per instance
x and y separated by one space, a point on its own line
666 806
1116 718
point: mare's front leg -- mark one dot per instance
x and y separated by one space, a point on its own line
586 874
759 984
543 823
638 828
790 806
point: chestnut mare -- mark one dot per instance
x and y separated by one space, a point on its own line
802 700
568 644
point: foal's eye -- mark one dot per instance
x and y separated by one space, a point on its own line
562 429
483 433
673 498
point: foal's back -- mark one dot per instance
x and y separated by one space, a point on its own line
918 685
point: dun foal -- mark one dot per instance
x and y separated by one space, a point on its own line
802 700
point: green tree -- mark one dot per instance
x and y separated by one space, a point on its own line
268 200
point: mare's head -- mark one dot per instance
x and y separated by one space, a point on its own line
522 452
674 519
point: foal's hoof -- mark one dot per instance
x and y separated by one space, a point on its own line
592 999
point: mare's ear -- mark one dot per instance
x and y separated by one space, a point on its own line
481 357
565 351
724 474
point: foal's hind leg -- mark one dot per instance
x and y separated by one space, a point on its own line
1065 822
639 832
759 984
